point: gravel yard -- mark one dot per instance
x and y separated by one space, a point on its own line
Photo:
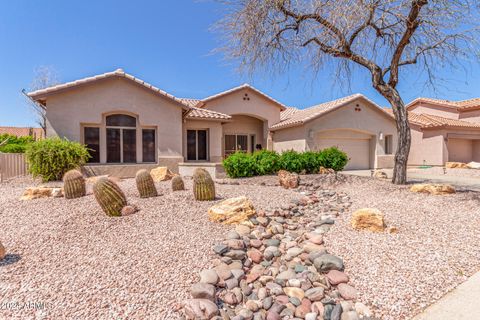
67 259
436 248
73 261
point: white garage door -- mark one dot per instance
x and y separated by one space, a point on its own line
357 150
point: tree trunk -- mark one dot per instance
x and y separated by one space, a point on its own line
403 130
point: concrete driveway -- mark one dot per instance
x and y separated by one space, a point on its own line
461 183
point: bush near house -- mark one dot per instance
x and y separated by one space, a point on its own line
14 144
265 162
51 158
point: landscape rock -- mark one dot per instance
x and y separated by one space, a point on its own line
368 219
161 174
335 277
327 262
203 291
379 174
350 315
347 291
208 276
436 189
200 309
294 292
2 251
323 170
32 193
459 165
129 210
288 180
232 211
473 165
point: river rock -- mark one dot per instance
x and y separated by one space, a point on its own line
199 309
327 262
203 291
209 276
347 291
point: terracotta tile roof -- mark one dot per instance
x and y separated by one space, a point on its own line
117 73
287 113
244 86
458 105
199 113
191 102
37 133
431 121
293 118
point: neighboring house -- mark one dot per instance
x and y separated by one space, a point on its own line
444 131
36 133
125 120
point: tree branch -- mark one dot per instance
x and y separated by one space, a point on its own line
412 24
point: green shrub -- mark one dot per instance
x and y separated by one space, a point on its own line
266 162
332 158
310 161
292 161
239 164
51 158
14 144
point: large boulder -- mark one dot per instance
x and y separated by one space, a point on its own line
232 211
432 188
200 309
368 219
288 180
161 174
2 251
473 165
41 192
459 165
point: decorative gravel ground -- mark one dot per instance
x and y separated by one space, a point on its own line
67 259
436 248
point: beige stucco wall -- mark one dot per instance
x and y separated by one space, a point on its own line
460 150
67 111
257 106
435 110
289 139
215 137
370 121
241 124
427 147
476 150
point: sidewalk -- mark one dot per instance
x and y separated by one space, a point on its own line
459 304
465 183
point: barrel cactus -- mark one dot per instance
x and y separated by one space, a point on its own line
109 196
145 185
177 183
203 185
73 184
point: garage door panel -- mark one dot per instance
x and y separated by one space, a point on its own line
357 150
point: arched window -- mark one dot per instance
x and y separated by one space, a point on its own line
121 138
121 120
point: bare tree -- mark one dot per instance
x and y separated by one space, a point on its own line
44 77
382 36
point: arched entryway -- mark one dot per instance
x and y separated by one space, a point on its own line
244 133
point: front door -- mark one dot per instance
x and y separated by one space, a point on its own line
197 145
235 142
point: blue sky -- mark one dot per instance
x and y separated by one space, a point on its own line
166 43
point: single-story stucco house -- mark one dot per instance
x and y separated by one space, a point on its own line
444 131
129 124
